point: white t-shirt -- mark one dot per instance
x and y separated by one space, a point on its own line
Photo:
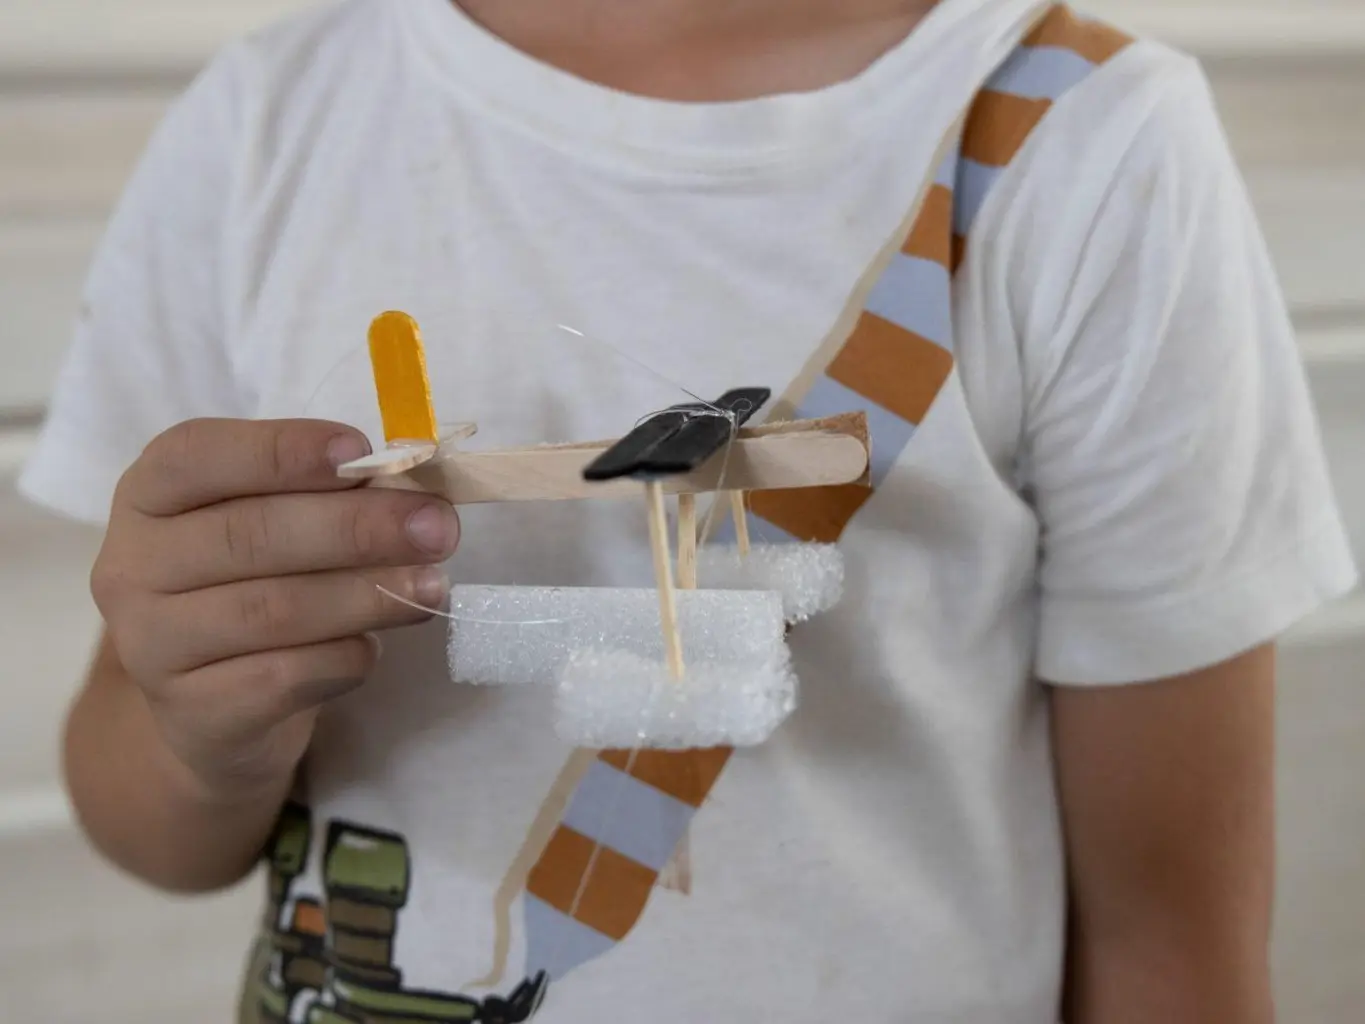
1120 481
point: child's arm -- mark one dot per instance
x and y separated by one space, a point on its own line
140 806
1168 796
239 579
1173 457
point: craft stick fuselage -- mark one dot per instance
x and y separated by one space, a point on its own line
686 449
780 456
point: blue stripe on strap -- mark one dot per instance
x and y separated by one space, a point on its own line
974 183
1041 73
890 434
555 942
625 815
916 294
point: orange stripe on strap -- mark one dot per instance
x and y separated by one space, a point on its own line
896 368
1094 41
685 775
999 125
613 895
815 514
931 235
886 364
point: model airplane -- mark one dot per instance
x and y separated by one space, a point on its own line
683 451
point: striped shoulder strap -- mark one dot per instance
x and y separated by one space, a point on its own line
624 814
1057 56
899 353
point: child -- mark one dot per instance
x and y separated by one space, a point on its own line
1033 752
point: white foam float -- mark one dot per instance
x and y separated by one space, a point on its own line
808 577
615 699
604 654
718 672
526 635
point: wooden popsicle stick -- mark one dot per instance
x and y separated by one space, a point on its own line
404 456
387 462
458 432
817 453
741 515
663 574
687 542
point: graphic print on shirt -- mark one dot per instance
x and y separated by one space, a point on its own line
291 956
333 962
592 874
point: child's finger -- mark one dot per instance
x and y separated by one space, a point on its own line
237 619
284 535
242 697
202 462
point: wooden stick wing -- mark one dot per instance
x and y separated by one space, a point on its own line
810 453
796 454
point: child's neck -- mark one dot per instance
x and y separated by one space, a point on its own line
703 50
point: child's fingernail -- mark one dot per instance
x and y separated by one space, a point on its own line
430 588
347 448
435 529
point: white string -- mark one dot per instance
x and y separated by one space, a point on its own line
469 618
713 411
634 361
715 506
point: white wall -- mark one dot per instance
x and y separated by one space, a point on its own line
82 82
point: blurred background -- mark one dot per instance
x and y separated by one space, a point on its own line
82 83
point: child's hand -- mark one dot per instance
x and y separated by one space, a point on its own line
238 581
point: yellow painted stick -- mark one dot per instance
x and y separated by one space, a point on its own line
400 379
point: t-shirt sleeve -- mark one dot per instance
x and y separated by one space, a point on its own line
149 349
1171 447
